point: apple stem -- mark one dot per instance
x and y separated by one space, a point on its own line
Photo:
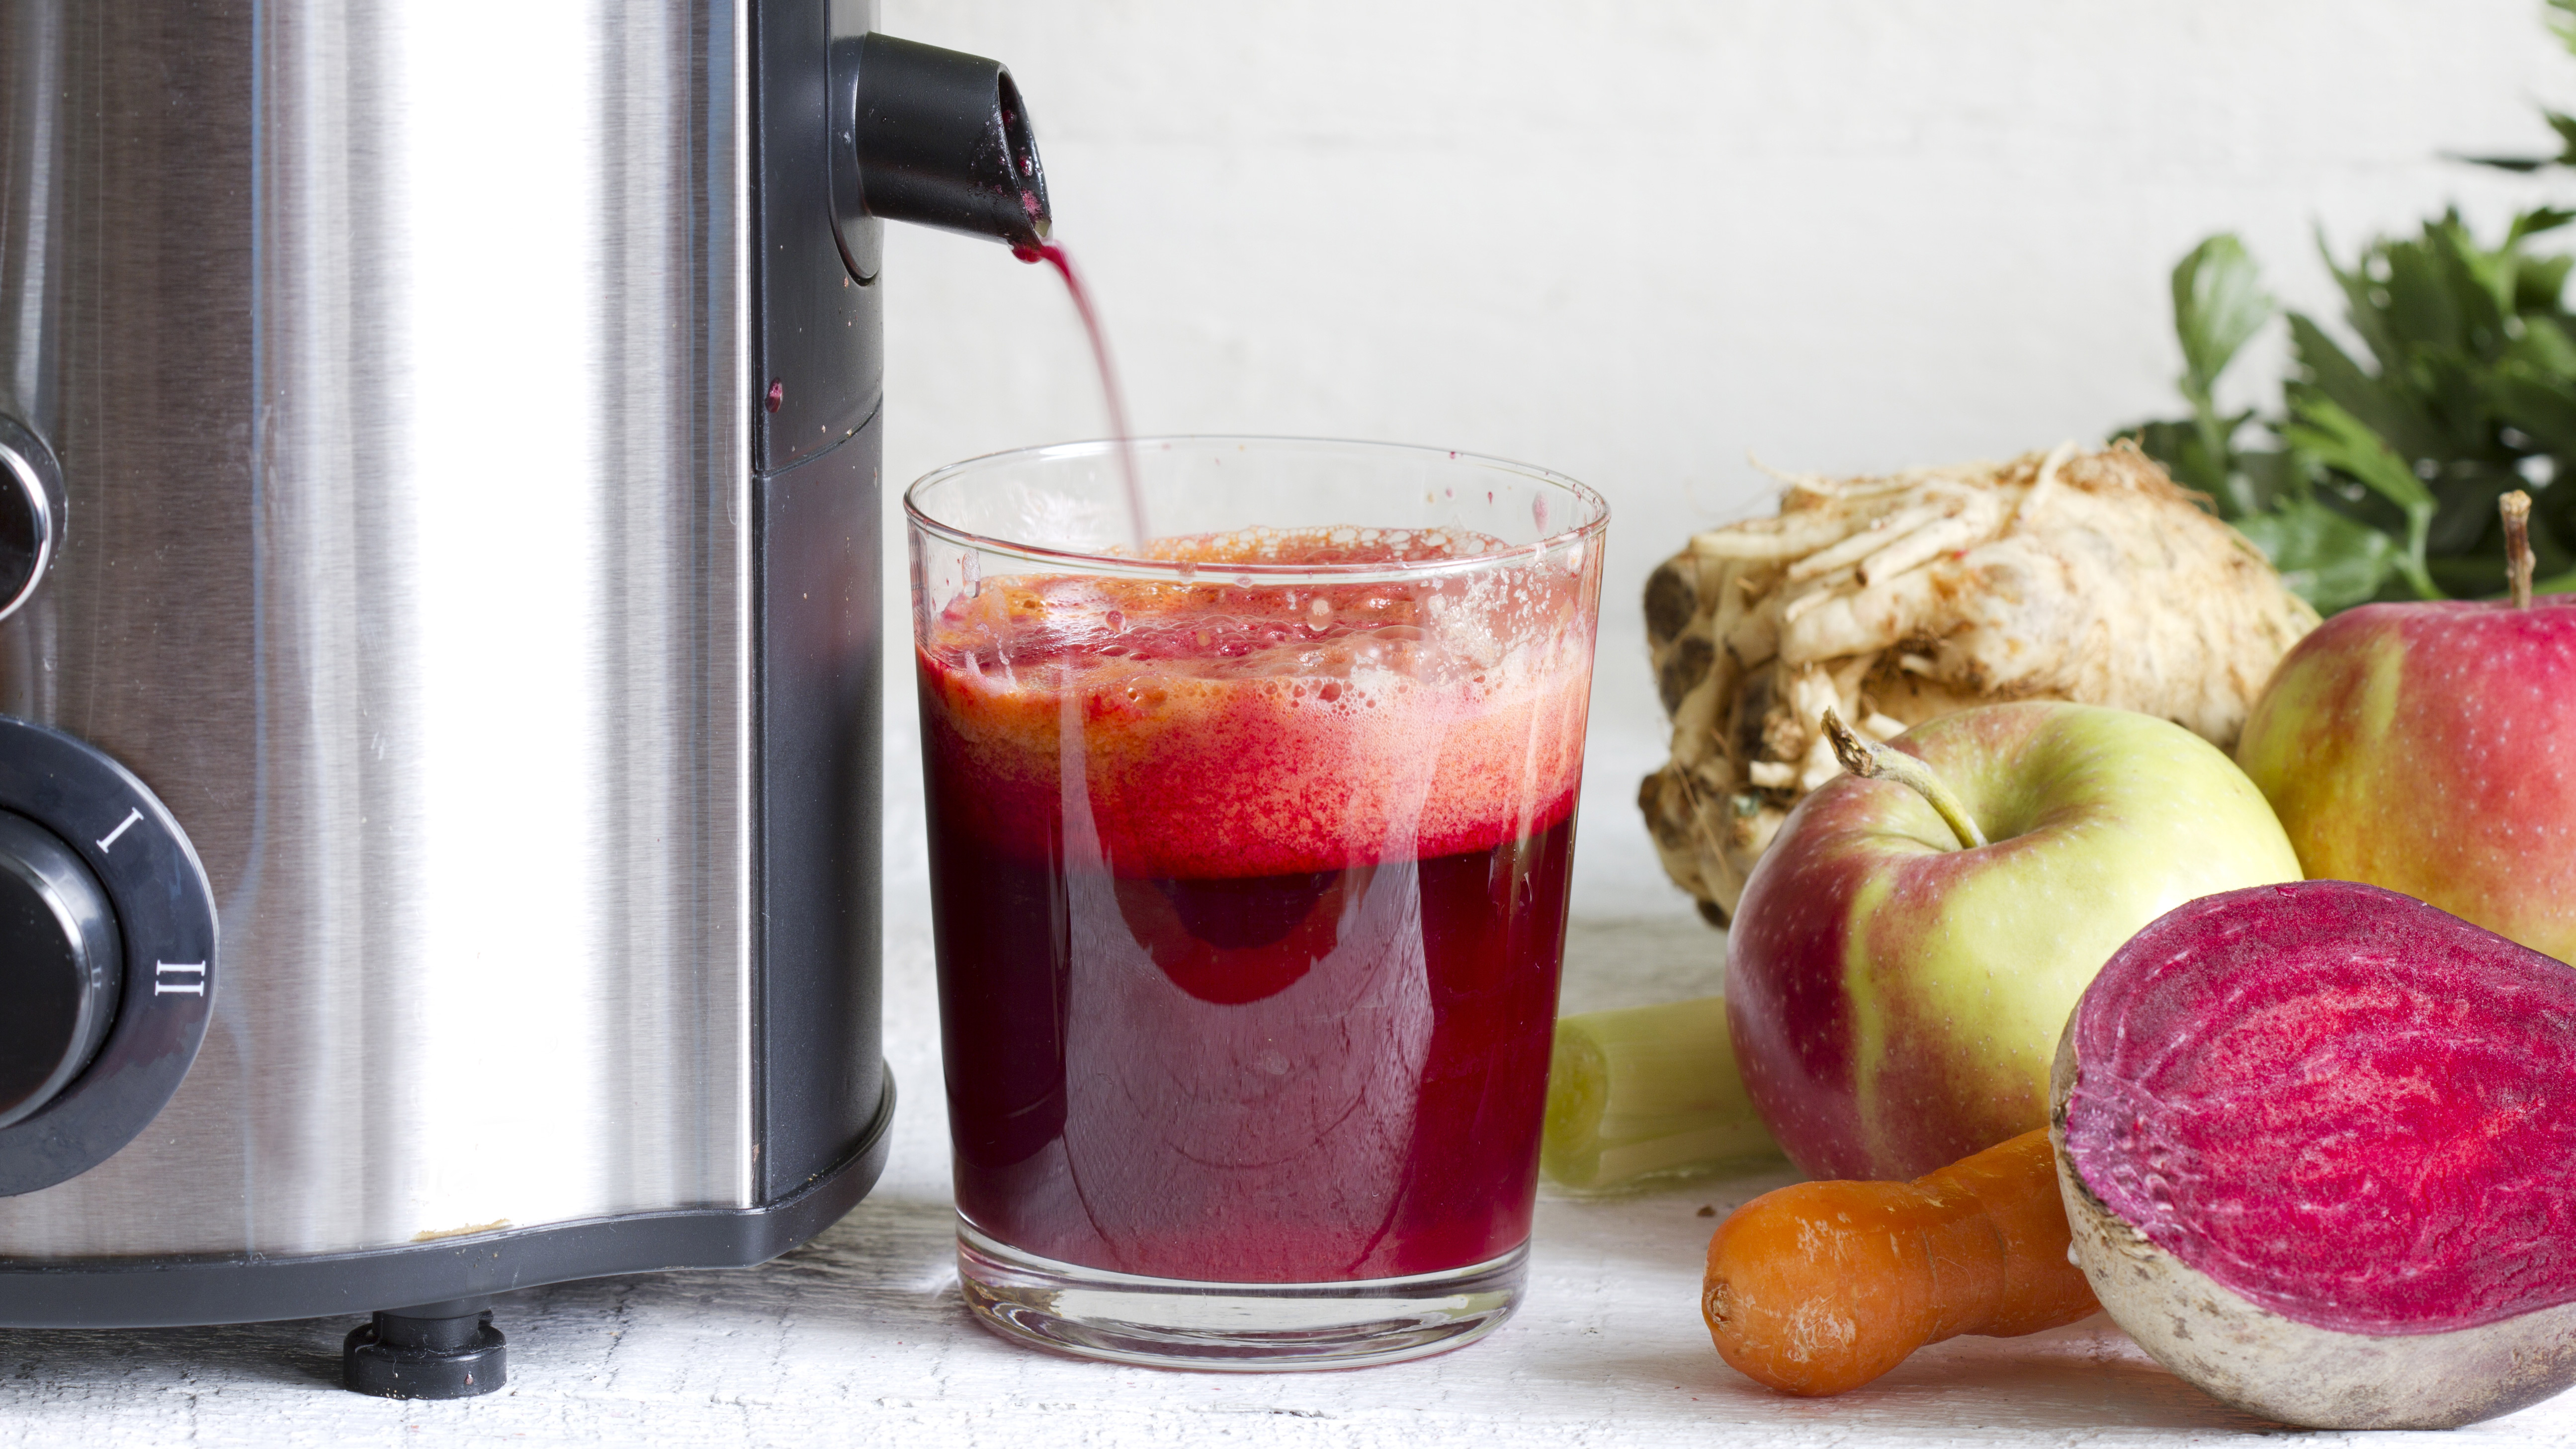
1871 760
2517 544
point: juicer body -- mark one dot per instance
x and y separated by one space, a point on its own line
463 433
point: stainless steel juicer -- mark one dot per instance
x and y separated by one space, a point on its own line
439 456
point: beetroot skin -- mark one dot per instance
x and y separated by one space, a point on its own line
2357 1115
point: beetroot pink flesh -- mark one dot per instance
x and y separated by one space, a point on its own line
2342 1104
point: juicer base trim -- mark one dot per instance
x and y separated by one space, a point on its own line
193 1292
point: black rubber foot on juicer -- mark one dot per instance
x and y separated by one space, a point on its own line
434 1351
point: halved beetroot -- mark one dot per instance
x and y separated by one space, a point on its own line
2318 1148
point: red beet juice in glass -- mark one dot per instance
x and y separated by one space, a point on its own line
1250 902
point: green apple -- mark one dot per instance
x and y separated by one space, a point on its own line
1895 994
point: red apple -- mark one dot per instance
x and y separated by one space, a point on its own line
1895 998
2431 749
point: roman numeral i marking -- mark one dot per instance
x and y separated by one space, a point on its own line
109 840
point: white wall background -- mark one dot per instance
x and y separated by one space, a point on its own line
1636 241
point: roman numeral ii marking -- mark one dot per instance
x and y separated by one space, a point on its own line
164 987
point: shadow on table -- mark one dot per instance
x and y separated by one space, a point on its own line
301 1354
1658 1228
889 1262
887 1243
2083 1379
888 1269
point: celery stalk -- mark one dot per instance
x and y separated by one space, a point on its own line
1646 1092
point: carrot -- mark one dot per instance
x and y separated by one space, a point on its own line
1821 1287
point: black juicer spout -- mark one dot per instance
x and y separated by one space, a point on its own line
935 137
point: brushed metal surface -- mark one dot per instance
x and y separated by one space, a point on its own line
396 353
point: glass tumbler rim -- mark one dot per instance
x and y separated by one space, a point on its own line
1596 519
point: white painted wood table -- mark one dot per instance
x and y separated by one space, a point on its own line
859 1339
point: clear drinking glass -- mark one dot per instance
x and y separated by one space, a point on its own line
1249 857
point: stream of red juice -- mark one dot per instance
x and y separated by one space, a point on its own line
1054 255
1248 929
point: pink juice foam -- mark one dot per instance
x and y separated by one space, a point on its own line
1250 903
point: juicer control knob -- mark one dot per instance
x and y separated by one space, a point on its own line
61 966
109 967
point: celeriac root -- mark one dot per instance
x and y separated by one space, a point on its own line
2074 575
